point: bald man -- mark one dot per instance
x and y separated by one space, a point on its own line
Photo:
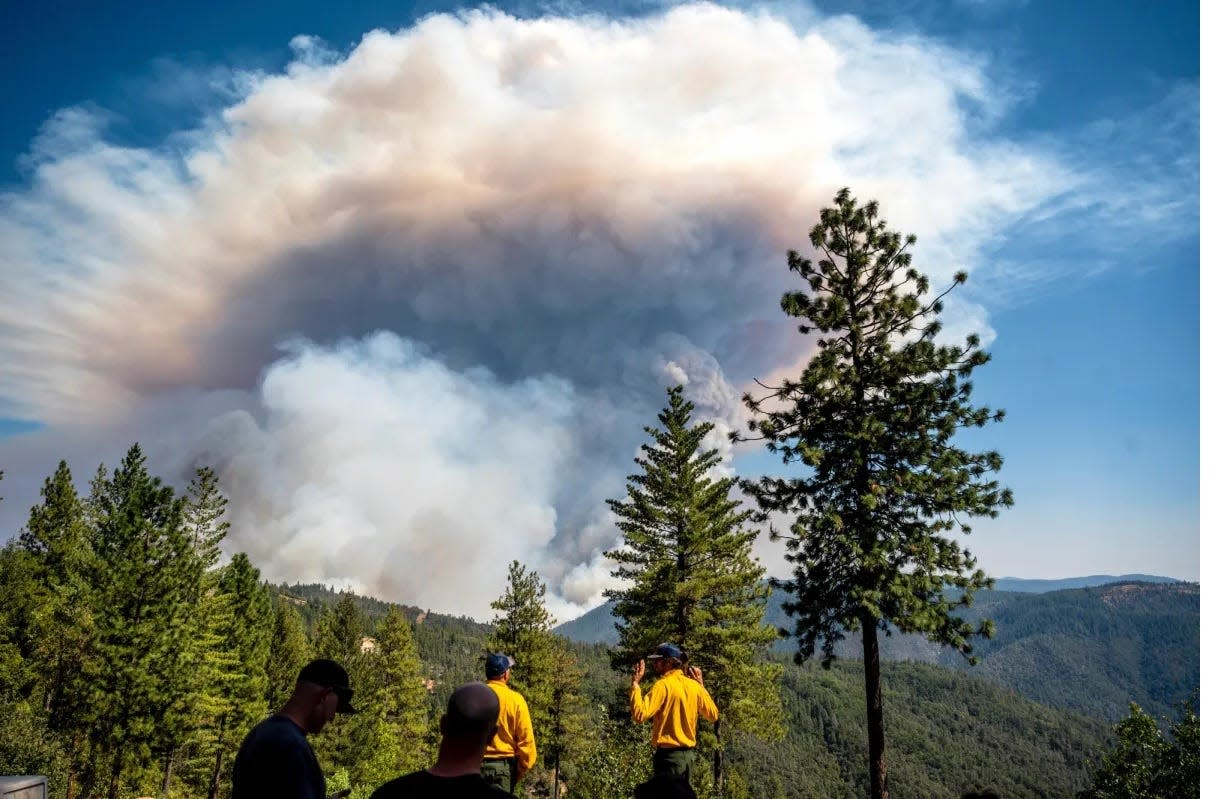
466 729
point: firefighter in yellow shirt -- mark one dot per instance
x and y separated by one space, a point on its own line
511 751
674 703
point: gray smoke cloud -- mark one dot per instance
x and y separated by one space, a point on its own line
414 302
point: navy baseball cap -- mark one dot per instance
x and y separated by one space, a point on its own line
497 664
330 674
666 651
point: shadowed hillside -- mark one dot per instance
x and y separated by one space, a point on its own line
1092 650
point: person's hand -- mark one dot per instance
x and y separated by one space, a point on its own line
638 671
694 673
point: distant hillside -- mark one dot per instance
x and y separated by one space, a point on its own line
598 626
1092 650
948 732
1029 586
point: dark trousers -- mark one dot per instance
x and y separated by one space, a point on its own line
499 772
673 762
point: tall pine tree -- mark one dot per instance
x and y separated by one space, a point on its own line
203 691
564 722
146 576
57 537
243 632
347 739
544 675
522 629
872 419
692 579
396 711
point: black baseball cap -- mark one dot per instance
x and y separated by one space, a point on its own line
330 674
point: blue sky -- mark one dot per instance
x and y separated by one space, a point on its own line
1051 148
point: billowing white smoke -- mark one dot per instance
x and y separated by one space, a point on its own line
379 467
494 241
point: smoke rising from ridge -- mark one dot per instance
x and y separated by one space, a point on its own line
415 302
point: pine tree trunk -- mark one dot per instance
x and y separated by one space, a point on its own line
117 766
216 777
877 763
555 789
75 757
717 759
166 773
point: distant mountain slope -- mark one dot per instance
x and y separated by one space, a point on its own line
1092 650
1030 586
597 626
947 733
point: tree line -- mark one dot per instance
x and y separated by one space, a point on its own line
133 660
404 662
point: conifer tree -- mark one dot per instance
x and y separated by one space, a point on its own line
205 516
396 712
61 628
19 597
55 536
522 630
564 721
1147 765
341 633
146 576
345 741
209 662
243 632
872 419
287 654
692 579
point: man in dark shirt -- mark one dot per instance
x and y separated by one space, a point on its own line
466 728
276 761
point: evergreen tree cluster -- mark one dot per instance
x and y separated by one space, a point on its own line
1145 764
951 733
133 660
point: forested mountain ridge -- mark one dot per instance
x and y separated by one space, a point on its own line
1092 650
1038 586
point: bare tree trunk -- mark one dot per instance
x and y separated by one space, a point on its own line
717 759
877 763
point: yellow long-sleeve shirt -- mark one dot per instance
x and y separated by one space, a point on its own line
514 734
674 703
